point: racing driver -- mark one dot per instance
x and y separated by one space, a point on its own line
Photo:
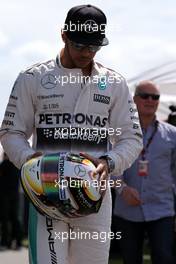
66 94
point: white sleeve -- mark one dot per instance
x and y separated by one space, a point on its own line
127 146
18 123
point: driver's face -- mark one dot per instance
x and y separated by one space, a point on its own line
79 58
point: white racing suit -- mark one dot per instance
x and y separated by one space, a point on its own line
48 101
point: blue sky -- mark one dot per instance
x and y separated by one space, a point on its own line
141 34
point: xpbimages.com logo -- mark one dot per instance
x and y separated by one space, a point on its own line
89 26
77 183
77 234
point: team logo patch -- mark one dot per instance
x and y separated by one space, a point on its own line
49 81
101 98
102 83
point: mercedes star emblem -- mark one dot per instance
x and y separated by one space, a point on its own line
80 171
49 81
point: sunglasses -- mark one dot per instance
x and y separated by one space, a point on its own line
80 47
147 95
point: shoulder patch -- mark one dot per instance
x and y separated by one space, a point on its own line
31 69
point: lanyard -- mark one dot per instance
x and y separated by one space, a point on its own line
149 140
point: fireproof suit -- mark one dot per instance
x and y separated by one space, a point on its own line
48 99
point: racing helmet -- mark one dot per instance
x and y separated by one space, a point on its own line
61 186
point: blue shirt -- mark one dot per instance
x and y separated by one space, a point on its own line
157 189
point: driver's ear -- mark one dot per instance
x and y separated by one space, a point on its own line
63 35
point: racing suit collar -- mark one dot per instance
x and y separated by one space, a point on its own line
95 68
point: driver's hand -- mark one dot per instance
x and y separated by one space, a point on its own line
101 167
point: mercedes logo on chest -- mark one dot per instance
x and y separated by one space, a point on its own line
49 81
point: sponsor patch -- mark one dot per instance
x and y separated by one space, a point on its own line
9 114
67 118
101 98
